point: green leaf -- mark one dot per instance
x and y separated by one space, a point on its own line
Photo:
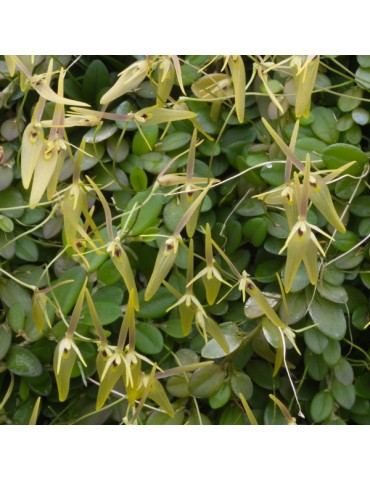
41 385
10 198
362 386
255 230
316 367
360 206
178 386
145 215
138 179
347 104
6 224
67 294
339 154
324 125
173 141
363 77
158 305
100 133
354 134
315 340
360 317
108 312
5 339
360 116
251 207
231 415
278 226
273 174
139 144
345 241
297 306
332 353
241 383
26 249
221 397
344 372
16 318
205 381
329 317
233 338
335 293
149 339
344 395
363 60
313 146
261 374
21 361
321 406
94 79
344 123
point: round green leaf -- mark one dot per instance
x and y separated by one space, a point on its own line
21 361
362 386
360 116
242 384
321 406
332 353
221 397
261 374
149 339
347 104
324 125
144 139
100 133
178 386
255 230
316 367
158 305
344 395
315 340
344 372
363 60
344 123
10 198
233 339
138 179
273 174
340 154
329 317
345 241
363 77
108 312
67 294
205 381
173 141
16 317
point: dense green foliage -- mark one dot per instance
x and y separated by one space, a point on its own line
148 275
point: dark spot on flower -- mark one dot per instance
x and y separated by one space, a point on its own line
190 194
104 354
144 116
300 232
117 252
115 364
250 286
313 183
79 244
169 247
65 351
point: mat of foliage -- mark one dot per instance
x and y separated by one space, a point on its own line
184 240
